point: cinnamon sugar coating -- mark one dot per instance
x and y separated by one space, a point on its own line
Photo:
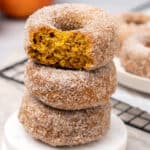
70 89
135 54
63 128
96 26
132 22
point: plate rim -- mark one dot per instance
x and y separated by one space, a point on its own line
121 72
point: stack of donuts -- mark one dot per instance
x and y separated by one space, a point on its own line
70 74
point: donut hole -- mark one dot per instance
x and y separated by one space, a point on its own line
60 48
65 22
147 44
67 26
135 18
136 22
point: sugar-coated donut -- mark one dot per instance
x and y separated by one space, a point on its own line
70 89
135 54
61 128
131 23
75 36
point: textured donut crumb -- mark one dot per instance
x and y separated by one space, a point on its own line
61 128
61 48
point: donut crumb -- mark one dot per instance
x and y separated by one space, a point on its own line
61 48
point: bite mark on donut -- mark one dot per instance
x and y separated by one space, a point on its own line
61 48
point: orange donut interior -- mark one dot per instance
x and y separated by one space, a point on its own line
61 48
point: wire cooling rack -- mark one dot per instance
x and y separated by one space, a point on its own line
130 115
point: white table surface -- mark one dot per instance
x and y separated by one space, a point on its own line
11 50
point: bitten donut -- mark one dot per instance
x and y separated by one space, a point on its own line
135 55
61 128
131 23
74 36
70 89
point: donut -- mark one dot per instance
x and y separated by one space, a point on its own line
70 89
73 36
131 23
135 54
60 127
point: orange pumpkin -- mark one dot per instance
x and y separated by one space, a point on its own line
22 8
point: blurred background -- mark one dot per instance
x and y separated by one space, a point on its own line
132 106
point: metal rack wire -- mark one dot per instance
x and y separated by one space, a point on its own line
130 115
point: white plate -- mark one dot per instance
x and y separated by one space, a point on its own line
17 139
130 80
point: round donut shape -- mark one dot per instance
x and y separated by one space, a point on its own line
61 128
74 36
135 54
70 89
131 23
